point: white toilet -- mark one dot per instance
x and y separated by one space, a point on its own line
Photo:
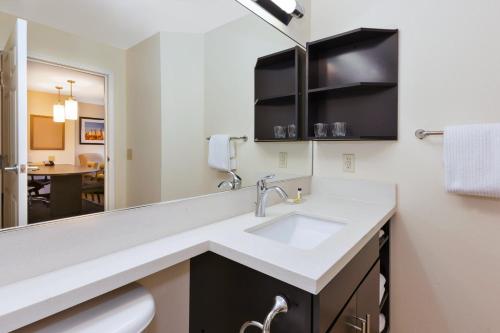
126 310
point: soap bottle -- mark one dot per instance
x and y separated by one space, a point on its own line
298 199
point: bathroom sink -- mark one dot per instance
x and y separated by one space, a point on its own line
297 230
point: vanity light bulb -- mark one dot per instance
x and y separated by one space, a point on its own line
58 113
288 6
71 108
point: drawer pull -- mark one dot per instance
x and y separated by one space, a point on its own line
365 324
357 328
280 306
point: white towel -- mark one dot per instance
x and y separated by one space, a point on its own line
381 323
472 159
382 288
221 153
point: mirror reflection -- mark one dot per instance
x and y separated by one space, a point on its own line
110 105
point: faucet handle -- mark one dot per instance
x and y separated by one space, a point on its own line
262 180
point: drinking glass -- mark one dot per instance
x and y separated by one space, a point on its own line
339 128
320 130
292 131
279 132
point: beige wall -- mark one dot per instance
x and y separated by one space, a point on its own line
64 48
170 290
40 103
144 122
445 249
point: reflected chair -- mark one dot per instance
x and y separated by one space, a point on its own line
93 184
34 187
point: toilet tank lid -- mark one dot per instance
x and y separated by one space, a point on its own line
129 309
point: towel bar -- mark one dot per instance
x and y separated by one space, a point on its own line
421 134
244 138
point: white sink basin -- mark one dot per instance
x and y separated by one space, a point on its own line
297 230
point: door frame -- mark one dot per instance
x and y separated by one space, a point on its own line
109 171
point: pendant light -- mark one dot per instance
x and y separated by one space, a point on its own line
71 105
58 109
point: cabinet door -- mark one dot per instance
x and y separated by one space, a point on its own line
347 319
225 294
367 299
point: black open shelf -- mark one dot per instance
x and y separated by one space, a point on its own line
279 99
278 140
352 37
268 99
353 78
354 138
353 86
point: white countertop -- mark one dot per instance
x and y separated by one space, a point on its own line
310 270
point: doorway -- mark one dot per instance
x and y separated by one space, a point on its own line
67 146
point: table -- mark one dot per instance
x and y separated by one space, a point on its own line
65 187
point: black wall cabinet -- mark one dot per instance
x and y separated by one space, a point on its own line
351 77
279 98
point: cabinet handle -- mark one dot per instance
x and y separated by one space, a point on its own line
357 328
280 306
250 323
365 324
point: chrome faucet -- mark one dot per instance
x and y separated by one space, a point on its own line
233 184
263 192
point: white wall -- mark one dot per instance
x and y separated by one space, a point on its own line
445 248
64 48
231 53
184 167
207 87
144 122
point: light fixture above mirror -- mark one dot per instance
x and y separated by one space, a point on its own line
291 7
58 113
71 105
283 10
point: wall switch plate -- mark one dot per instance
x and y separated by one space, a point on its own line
283 160
349 162
129 154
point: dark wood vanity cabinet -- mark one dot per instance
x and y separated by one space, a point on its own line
225 294
363 307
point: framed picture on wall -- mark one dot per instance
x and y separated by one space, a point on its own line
92 131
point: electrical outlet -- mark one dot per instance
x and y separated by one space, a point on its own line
283 160
349 162
129 154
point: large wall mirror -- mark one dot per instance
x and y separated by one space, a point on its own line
112 104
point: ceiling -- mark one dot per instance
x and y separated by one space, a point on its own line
44 78
124 23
